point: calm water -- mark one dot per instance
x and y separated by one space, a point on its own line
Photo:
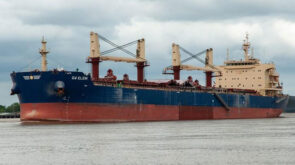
257 141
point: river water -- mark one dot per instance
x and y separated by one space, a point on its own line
247 141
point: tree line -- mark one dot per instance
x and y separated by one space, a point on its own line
14 107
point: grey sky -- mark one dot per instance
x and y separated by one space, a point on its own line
194 24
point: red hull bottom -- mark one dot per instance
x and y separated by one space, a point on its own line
118 113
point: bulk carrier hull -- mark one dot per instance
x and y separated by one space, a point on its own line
72 96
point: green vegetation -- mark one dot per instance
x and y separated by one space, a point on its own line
11 108
2 108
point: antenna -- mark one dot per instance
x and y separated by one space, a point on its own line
227 54
252 52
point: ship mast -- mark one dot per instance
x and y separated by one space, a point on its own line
43 51
246 47
227 54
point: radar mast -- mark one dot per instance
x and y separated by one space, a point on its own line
246 47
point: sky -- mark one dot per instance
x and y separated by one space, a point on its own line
193 24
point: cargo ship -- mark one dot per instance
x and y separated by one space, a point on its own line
73 96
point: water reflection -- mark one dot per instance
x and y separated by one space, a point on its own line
247 141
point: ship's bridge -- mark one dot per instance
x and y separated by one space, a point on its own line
249 74
251 61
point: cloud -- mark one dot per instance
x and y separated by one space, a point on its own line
275 37
88 13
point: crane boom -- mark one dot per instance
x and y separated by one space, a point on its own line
121 59
96 56
118 48
206 62
177 64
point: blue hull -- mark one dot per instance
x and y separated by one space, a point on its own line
43 87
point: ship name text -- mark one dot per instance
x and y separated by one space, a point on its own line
79 78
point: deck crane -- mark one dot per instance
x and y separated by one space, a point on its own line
96 56
177 64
